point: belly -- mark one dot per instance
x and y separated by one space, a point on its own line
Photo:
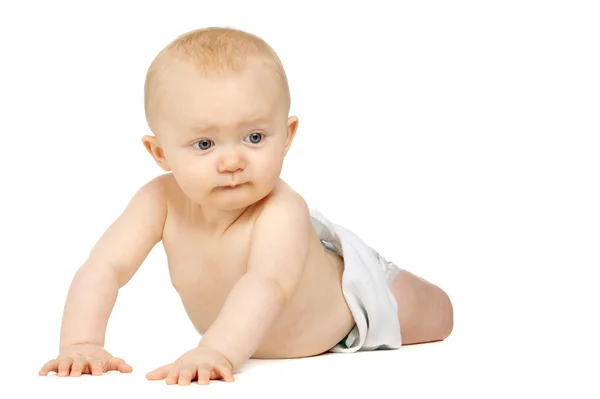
314 321
318 317
203 298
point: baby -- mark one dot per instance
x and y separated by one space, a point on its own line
259 273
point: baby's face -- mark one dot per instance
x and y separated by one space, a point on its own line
223 138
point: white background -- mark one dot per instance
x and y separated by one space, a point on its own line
461 139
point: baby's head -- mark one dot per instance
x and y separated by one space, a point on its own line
217 101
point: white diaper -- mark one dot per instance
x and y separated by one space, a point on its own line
365 284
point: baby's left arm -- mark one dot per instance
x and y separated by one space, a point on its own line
278 252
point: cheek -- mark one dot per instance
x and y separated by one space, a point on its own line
190 173
268 167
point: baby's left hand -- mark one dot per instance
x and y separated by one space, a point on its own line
202 364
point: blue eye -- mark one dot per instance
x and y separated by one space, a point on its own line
255 138
203 144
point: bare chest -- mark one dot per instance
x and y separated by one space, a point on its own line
203 270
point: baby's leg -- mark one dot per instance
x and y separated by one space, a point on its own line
424 310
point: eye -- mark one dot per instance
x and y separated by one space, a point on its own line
255 138
203 144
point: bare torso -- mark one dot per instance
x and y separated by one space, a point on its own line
204 269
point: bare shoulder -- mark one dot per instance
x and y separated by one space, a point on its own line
128 240
284 205
281 239
167 189
163 185
283 221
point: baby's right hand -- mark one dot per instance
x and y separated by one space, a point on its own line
79 359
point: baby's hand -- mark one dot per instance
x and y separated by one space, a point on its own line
202 364
76 360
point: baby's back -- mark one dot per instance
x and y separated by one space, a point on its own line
204 267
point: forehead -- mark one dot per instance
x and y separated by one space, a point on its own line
191 98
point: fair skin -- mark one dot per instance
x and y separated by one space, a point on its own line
242 254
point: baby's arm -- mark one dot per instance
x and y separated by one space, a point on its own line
278 252
111 264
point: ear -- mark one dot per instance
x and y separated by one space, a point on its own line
153 147
292 126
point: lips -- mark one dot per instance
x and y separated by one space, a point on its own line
230 187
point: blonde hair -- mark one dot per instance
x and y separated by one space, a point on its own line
214 51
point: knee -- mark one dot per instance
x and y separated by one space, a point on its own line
447 319
425 311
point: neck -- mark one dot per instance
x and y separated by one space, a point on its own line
216 221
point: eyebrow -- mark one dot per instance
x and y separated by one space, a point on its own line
207 127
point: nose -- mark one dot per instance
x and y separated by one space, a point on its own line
231 162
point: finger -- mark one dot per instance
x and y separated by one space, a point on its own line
64 368
159 373
226 374
173 375
119 364
187 374
50 366
95 366
78 366
125 368
204 375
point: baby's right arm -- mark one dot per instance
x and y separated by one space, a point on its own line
111 264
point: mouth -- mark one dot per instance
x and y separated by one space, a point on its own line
231 186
